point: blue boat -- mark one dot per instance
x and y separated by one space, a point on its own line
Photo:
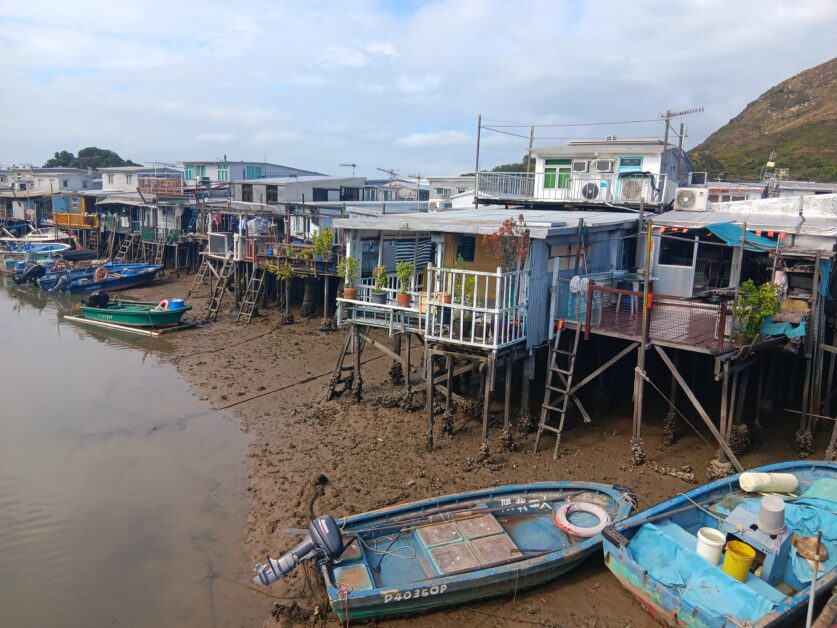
105 279
456 549
653 553
49 280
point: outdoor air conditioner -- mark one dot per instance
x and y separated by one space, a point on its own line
220 243
581 166
691 199
604 165
697 178
590 191
631 190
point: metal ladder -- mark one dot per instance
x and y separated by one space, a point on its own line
200 276
93 241
220 288
126 246
559 382
251 297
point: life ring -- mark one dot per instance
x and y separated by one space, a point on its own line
162 306
59 265
561 519
101 274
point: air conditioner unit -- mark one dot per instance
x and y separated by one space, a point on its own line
590 191
603 165
610 138
691 199
631 190
697 178
581 166
220 243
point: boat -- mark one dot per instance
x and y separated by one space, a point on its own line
15 255
38 236
656 556
104 279
456 549
100 307
50 278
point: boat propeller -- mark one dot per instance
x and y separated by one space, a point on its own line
323 537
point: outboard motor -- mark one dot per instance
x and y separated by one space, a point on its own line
30 275
98 299
323 538
62 284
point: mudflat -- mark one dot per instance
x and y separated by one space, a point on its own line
310 457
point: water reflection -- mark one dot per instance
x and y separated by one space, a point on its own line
121 495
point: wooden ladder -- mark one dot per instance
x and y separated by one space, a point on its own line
125 247
251 297
200 277
160 252
93 241
559 383
220 288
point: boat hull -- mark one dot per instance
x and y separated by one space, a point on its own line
664 603
527 522
135 314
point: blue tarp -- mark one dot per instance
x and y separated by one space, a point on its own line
731 234
771 328
825 277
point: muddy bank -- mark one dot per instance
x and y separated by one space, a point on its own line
313 457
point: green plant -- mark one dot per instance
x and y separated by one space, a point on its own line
348 269
404 272
379 274
754 304
323 241
467 290
509 244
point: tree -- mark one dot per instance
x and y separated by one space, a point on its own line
520 166
89 157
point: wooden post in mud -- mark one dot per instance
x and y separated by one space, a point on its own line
805 421
449 385
430 418
724 404
488 386
637 455
396 365
408 360
325 296
526 383
357 382
507 395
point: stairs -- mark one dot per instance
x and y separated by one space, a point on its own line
220 288
559 383
251 297
126 247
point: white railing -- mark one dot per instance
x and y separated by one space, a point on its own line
475 308
366 285
590 187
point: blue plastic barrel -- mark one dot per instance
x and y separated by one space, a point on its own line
176 304
20 266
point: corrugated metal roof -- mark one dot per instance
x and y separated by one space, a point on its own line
486 219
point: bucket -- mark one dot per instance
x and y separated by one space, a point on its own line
20 266
737 560
710 542
771 519
176 304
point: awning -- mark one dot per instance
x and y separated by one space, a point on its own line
731 234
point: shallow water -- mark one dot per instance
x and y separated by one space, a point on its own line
122 497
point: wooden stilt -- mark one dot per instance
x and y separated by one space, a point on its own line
724 407
759 389
449 384
829 386
488 386
507 395
526 383
430 419
357 381
408 360
639 385
325 296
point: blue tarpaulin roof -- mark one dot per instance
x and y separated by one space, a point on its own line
731 234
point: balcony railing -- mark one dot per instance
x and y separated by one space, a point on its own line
580 188
75 220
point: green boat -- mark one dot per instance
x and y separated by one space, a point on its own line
134 313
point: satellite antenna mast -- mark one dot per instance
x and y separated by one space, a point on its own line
352 166
667 116
392 176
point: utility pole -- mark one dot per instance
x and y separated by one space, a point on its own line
529 154
352 166
679 152
667 116
477 167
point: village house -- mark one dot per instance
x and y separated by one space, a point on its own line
224 171
451 192
34 192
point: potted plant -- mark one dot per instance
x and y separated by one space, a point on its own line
348 269
753 306
322 243
404 272
379 295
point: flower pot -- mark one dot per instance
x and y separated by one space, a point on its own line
444 297
350 293
378 298
404 300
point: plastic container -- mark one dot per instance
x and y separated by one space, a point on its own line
710 543
768 482
176 304
771 519
20 266
737 560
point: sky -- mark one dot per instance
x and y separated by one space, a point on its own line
383 83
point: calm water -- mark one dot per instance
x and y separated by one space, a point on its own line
122 498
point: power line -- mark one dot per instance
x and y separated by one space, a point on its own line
573 124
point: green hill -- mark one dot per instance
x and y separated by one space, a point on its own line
797 118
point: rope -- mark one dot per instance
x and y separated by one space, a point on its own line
644 376
344 590
411 554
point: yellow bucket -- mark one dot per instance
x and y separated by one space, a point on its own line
737 559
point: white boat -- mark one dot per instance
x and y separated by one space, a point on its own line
37 236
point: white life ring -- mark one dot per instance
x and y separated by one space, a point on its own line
162 306
561 519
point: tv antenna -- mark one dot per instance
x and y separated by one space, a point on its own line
393 174
352 166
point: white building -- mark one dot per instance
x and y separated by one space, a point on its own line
128 178
52 180
223 171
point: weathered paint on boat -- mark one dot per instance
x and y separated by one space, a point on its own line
490 580
135 314
663 603
118 280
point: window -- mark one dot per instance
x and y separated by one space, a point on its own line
604 165
84 184
224 174
461 190
442 191
581 166
465 247
272 193
557 173
247 193
630 162
319 195
676 252
110 178
189 174
129 178
253 172
200 170
65 183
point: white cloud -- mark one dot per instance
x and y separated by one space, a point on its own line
215 138
438 139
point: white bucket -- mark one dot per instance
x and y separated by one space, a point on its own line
710 543
768 482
